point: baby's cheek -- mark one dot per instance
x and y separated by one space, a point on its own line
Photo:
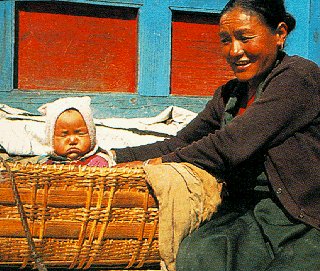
59 146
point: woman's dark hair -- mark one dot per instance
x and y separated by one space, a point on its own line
272 11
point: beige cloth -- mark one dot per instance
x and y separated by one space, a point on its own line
187 196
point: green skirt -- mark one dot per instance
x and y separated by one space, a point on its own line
264 238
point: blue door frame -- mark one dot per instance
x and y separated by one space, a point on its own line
155 18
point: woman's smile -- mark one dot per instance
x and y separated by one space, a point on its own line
241 65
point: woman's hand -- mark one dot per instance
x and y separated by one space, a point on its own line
130 164
154 161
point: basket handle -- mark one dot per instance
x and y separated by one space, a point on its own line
37 259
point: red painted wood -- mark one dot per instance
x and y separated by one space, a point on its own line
197 65
76 47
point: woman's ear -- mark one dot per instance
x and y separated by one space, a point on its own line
281 33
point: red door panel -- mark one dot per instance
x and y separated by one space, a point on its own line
76 47
197 65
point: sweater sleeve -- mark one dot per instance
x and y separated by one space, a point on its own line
290 102
205 122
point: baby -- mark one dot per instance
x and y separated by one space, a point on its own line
71 134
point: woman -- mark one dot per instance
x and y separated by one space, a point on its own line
260 133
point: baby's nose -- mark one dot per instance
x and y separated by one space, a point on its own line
73 139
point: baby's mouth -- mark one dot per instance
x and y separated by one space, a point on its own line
73 150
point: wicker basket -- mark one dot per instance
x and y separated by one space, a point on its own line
79 217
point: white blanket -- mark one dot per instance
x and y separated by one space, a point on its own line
22 133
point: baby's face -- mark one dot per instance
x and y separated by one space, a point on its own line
71 137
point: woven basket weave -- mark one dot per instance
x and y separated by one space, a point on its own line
79 217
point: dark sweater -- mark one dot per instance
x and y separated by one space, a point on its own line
279 134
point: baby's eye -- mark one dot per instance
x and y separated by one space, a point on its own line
81 132
63 133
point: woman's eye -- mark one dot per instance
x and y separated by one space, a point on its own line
245 38
225 40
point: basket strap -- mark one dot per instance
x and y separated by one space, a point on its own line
37 259
84 226
105 224
136 254
149 243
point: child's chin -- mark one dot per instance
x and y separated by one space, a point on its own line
73 156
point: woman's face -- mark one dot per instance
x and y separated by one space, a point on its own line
71 137
249 45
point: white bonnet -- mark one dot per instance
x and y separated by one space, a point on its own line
52 110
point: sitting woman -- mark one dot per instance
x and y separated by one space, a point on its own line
71 134
260 134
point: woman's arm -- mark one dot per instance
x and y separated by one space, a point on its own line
289 103
204 123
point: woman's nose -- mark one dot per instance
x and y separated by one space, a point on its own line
236 49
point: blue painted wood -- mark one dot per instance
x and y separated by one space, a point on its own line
314 41
105 105
155 41
6 45
127 3
155 36
154 49
297 42
198 5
